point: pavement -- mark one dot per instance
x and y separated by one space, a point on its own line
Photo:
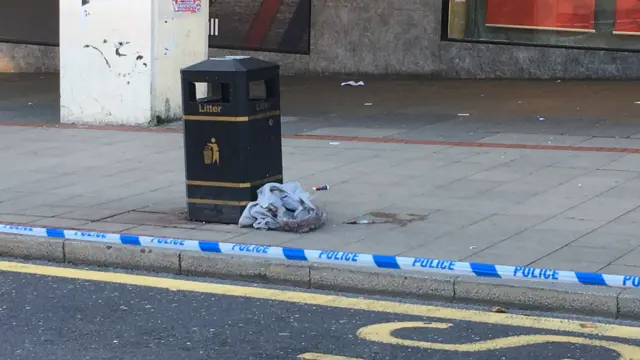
411 107
537 174
63 313
557 209
560 209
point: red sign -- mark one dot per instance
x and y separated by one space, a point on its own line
627 17
572 15
188 6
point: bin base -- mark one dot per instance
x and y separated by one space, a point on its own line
208 213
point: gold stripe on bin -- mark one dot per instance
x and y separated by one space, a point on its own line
217 202
233 185
232 118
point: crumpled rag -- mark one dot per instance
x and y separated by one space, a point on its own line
284 207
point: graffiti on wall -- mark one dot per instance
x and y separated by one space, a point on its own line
264 25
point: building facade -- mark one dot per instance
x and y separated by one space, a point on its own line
524 39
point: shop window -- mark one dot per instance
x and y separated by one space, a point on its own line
602 24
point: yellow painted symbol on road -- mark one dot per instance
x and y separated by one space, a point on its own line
211 153
316 356
381 333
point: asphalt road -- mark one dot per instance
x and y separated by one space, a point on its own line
87 314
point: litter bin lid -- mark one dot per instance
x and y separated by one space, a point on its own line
231 57
231 64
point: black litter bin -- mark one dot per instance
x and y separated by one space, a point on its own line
232 138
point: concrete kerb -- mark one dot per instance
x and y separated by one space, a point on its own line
568 298
528 295
32 248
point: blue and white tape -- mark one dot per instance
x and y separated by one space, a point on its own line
421 264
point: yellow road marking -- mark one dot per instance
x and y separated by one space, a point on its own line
335 301
381 333
316 356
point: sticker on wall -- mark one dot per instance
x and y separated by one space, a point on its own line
188 6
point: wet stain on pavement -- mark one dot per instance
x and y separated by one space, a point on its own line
379 217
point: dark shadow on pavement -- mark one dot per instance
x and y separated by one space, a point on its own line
404 107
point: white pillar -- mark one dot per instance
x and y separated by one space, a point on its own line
120 60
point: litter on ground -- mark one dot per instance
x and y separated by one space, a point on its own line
283 207
354 222
352 83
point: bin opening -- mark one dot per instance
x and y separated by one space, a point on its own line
257 90
261 90
209 92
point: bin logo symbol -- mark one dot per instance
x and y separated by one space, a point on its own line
211 153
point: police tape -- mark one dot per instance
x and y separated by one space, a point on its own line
422 264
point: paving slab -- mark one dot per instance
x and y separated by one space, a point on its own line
627 190
603 239
45 211
622 270
181 233
629 162
577 253
535 139
526 247
18 219
594 266
630 218
59 223
109 227
145 218
602 208
612 142
631 258
463 189
589 160
496 156
346 131
562 223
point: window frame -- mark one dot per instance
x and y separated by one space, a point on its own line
444 37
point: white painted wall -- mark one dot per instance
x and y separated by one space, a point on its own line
120 60
181 39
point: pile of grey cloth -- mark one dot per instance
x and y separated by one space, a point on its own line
283 207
